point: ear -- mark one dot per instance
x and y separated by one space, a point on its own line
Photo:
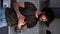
37 13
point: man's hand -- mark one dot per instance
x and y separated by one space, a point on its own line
21 20
20 23
20 16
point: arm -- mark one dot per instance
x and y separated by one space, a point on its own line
16 8
19 15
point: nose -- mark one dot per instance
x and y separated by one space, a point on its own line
44 19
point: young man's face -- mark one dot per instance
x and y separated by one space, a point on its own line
43 18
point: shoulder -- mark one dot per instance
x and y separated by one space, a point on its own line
19 4
29 3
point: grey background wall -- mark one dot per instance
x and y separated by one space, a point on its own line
55 26
54 3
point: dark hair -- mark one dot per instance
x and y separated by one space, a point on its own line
49 14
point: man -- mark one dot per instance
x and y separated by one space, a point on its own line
27 15
26 10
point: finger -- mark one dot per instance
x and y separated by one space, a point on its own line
24 23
